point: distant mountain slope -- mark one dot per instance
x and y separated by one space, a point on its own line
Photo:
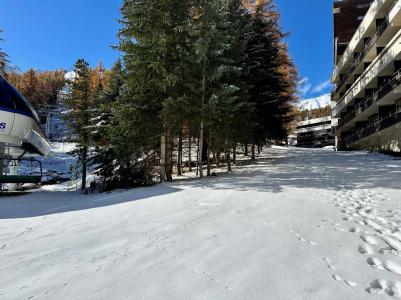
315 103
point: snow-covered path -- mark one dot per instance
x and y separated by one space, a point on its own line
300 224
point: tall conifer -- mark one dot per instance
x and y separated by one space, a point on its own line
79 101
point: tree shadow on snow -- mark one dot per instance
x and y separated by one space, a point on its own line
311 169
47 203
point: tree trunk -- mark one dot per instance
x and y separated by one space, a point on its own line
228 157
253 152
235 154
197 158
202 119
208 163
246 149
179 158
218 159
162 158
169 152
190 153
84 167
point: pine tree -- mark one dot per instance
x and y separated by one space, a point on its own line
79 101
105 156
210 66
270 85
209 44
229 105
155 41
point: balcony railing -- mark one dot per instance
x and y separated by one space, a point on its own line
361 55
369 100
379 125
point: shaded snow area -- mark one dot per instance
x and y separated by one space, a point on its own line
59 161
298 224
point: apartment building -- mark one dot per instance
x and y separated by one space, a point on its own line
315 133
367 74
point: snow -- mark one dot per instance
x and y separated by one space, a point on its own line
314 103
59 162
297 224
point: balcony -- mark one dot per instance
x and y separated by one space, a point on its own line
379 125
368 101
363 31
359 59
381 64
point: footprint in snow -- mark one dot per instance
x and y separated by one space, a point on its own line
381 287
355 230
388 265
365 249
369 239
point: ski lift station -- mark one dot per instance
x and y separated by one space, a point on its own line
21 139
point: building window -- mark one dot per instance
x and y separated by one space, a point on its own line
336 10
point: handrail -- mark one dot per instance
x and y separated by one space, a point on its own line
380 124
374 97
376 35
385 51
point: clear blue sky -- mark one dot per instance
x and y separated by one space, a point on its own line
51 34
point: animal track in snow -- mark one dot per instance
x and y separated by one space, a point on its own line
350 283
25 231
347 282
302 239
337 278
328 263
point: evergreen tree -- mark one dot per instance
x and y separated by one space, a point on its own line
269 84
209 44
105 156
79 101
228 105
219 67
157 58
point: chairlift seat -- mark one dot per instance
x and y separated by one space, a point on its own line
34 178
20 179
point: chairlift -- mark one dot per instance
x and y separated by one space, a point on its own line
33 176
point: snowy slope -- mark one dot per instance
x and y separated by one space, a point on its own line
314 103
299 224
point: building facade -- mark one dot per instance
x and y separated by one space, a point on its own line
315 133
367 74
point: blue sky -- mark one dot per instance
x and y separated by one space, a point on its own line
52 34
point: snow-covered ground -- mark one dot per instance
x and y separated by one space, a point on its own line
298 224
